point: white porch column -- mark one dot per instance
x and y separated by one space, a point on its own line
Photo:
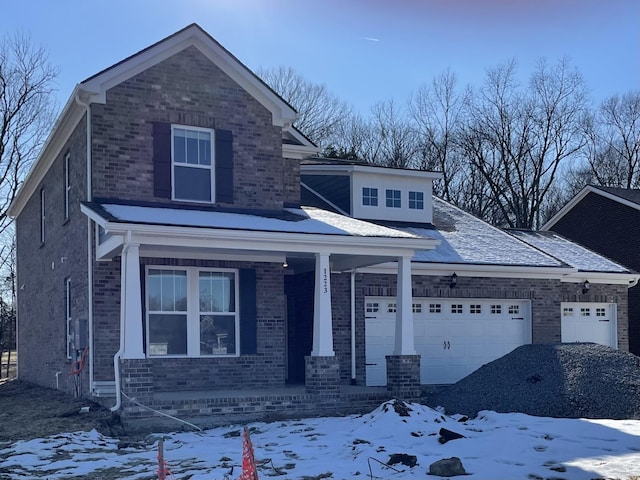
131 303
404 341
322 321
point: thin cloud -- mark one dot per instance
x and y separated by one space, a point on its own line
371 39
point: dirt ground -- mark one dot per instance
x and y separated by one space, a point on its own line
28 411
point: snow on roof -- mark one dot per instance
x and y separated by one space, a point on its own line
465 238
575 255
303 220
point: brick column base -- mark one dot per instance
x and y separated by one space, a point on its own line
136 380
322 375
403 376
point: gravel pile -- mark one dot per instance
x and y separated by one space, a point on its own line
581 380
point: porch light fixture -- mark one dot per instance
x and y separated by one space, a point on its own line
454 280
585 287
285 264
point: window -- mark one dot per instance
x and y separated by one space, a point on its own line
372 307
585 312
68 319
417 308
475 309
393 199
566 311
601 312
514 309
496 309
416 200
192 312
391 308
456 308
192 164
42 216
67 186
370 196
435 308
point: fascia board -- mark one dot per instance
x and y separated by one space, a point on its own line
89 212
496 271
270 241
298 152
350 168
63 128
602 277
282 113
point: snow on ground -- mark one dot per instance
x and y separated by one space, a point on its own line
496 445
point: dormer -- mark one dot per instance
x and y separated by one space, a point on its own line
369 192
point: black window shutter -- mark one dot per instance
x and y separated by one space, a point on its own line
162 159
224 166
248 312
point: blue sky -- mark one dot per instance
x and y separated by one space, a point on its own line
364 51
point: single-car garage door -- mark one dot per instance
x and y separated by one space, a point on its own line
589 322
453 336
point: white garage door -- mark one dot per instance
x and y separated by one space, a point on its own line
589 322
453 336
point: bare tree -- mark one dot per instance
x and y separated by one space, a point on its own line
26 112
614 134
518 138
438 111
392 141
320 111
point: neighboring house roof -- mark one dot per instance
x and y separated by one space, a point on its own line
465 239
625 196
94 89
577 256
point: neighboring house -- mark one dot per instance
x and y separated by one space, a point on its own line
607 220
172 248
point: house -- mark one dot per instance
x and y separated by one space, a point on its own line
177 251
606 220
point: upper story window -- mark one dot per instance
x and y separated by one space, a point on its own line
43 216
67 186
393 199
416 200
370 196
193 164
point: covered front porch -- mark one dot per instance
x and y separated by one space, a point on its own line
192 381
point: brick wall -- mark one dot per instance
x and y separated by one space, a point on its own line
43 267
185 89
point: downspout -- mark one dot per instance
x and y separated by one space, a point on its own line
353 327
89 198
123 303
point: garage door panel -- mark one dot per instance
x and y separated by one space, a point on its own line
589 322
456 336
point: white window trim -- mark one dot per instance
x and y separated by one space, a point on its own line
392 198
69 319
370 197
190 165
43 215
67 187
418 203
193 310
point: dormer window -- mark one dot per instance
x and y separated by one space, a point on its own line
416 200
192 164
393 199
370 196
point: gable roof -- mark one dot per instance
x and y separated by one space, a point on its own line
94 89
629 197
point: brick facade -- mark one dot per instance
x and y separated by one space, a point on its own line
43 267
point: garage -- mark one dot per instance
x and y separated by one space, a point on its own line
589 322
453 336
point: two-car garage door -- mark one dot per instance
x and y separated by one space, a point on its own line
453 336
